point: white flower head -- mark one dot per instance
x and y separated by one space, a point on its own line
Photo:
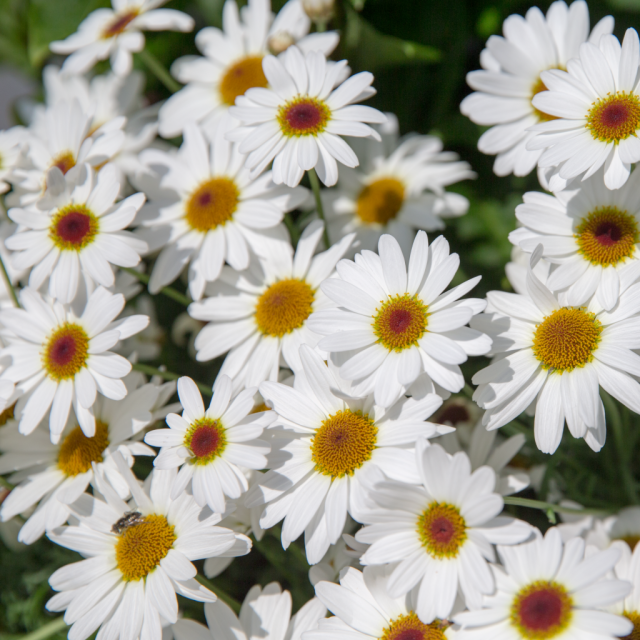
117 33
298 121
12 142
628 568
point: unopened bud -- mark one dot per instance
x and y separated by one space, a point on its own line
318 10
280 42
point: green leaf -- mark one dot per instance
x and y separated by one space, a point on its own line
48 21
13 33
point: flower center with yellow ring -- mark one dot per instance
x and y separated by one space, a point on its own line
380 201
212 204
64 161
400 322
141 547
442 530
567 338
343 443
615 117
240 77
206 439
539 87
541 610
73 227
77 451
607 236
303 116
66 351
410 627
634 616
284 307
119 23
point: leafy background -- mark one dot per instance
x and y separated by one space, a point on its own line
420 52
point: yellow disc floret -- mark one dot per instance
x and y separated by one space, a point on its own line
241 76
64 161
615 117
634 616
541 610
400 322
119 23
77 451
212 204
284 307
410 627
442 530
380 201
303 116
66 351
539 87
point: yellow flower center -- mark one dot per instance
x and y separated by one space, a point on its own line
73 227
66 351
400 322
607 236
206 439
343 443
380 201
212 204
541 610
442 530
64 161
284 307
537 88
303 116
632 540
7 415
634 616
141 546
240 77
409 627
119 23
615 117
77 452
566 339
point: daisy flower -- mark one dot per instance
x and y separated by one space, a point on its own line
298 121
205 209
330 449
11 144
61 360
513 74
590 232
138 557
548 589
232 61
558 356
116 34
52 476
394 324
260 315
76 232
628 568
596 109
212 445
439 534
599 532
399 187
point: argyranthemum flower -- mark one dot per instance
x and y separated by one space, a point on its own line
393 323
298 122
52 476
331 446
439 534
206 209
138 557
61 360
212 446
628 568
75 233
590 232
116 34
260 315
595 106
512 77
232 61
399 187
558 356
364 610
549 590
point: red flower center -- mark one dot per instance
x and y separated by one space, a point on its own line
541 610
400 322
608 233
615 117
120 23
442 530
66 351
206 439
303 116
73 227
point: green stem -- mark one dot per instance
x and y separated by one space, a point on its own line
156 67
168 375
223 595
315 186
294 232
47 630
9 284
548 506
167 291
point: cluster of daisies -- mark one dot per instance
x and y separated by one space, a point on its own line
339 336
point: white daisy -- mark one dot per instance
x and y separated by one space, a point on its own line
399 187
628 568
393 323
138 556
596 109
232 61
511 78
260 315
76 232
558 356
52 476
602 532
549 590
211 446
60 359
116 34
298 122
439 534
205 208
331 447
11 144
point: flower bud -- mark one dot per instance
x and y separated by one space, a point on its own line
318 10
279 42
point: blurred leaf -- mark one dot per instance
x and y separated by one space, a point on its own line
13 33
488 22
625 5
212 11
49 20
